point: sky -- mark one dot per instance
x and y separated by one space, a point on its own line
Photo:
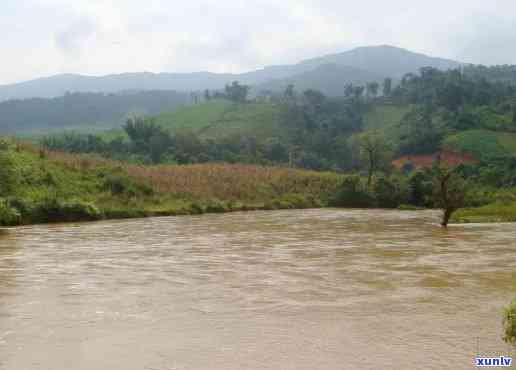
97 37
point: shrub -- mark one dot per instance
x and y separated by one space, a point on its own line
121 184
216 206
353 193
390 192
8 216
53 209
8 174
509 321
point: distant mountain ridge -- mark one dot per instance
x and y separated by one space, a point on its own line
368 63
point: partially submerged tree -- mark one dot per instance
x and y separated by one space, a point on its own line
448 191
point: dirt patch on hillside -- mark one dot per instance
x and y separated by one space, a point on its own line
451 159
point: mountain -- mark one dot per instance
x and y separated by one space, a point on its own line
377 61
383 60
327 78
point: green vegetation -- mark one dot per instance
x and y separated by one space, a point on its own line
221 118
509 321
83 112
427 115
40 186
494 212
480 143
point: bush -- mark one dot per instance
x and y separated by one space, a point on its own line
121 184
390 192
353 193
8 216
8 174
216 206
56 210
509 321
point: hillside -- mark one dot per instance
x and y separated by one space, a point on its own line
223 118
372 61
85 112
330 79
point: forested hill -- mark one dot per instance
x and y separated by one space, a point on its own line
431 111
84 111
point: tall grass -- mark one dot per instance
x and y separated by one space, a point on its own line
214 180
235 181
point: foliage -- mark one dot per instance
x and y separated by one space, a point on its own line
448 191
8 176
9 216
237 93
84 111
509 321
353 192
374 153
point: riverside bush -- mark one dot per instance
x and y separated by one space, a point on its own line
509 321
8 216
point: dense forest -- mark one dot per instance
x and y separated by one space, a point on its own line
84 111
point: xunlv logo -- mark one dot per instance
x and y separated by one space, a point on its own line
493 361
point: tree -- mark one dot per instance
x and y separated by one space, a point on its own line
207 95
158 145
419 133
374 151
372 89
290 93
144 133
448 191
315 98
387 87
237 93
358 91
348 90
420 188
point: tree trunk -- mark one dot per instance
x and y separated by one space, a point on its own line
446 217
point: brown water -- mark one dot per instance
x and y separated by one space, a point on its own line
317 289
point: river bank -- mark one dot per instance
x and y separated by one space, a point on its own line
45 187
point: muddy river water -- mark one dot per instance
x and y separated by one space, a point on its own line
303 289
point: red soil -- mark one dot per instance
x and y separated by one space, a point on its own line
451 159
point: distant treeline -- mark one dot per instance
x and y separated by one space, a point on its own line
84 110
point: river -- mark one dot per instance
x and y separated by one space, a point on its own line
301 289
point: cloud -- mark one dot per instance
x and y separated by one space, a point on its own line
73 37
237 35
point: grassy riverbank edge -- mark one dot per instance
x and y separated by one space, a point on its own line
491 213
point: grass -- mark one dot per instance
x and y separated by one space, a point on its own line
479 143
56 187
495 212
196 117
508 141
222 118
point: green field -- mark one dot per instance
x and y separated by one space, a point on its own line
222 118
482 143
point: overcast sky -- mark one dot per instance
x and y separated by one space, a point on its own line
95 37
